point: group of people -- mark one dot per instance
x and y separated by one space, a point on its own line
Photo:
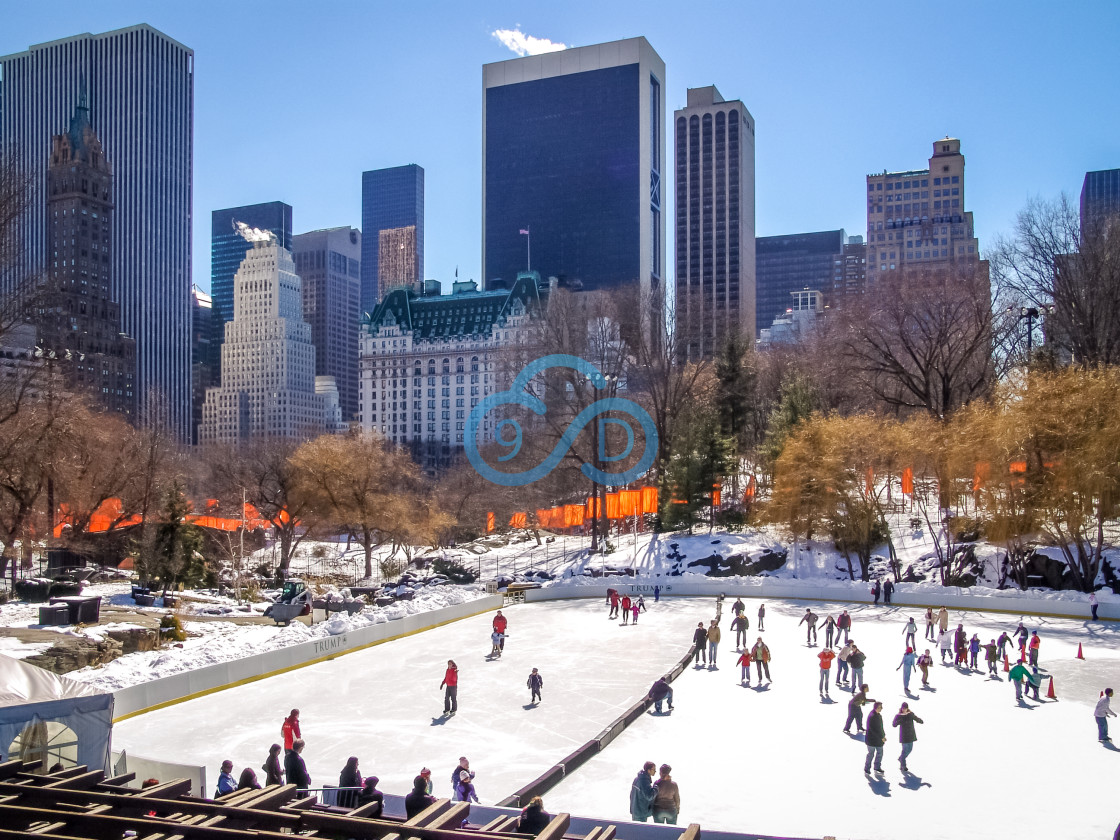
659 799
629 607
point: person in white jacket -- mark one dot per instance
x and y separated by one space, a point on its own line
1102 713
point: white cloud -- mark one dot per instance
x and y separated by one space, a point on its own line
523 44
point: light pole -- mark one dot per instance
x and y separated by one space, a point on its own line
1030 313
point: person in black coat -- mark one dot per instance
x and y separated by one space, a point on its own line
875 737
888 589
273 773
351 778
534 818
700 641
369 794
419 799
296 769
905 720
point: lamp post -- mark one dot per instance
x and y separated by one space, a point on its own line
1030 313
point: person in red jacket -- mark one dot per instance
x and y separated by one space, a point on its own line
290 729
625 609
500 623
612 596
825 656
451 685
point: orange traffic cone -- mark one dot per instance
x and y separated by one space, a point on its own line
1050 695
1080 655
1006 663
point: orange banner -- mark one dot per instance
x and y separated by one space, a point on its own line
613 507
869 481
594 507
573 516
716 495
630 502
649 500
981 475
519 520
748 494
490 522
908 481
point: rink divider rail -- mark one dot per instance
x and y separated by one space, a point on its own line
1011 601
177 688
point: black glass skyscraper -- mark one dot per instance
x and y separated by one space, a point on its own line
1100 197
391 198
573 148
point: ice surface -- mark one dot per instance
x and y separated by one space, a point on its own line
772 761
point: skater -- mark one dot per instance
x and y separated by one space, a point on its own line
625 609
296 769
463 766
500 624
907 665
713 643
699 640
535 683
1003 642
290 729
825 656
856 659
875 738
888 590
843 625
842 663
960 644
1034 683
1035 643
905 720
910 631
534 818
640 604
761 616
464 788
945 644
1021 633
656 594
991 656
930 622
667 803
273 773
1019 673
875 592
451 685
925 661
942 620
661 692
855 710
760 653
738 606
1102 713
496 642
349 783
1093 604
810 620
829 630
612 595
226 784
973 651
635 609
745 663
740 624
419 799
642 793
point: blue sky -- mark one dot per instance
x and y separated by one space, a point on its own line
294 100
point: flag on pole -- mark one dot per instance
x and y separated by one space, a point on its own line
524 231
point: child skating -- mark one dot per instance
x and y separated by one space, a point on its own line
745 663
496 640
535 683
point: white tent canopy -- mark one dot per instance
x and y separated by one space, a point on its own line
47 717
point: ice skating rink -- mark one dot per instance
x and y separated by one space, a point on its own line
772 761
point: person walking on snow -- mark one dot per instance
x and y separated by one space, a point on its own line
760 653
910 631
829 629
1034 645
925 661
761 616
740 624
745 663
535 683
290 729
810 620
1102 713
825 656
713 643
642 793
843 625
905 720
907 665
855 710
930 622
500 624
842 663
875 738
856 659
699 640
973 651
450 685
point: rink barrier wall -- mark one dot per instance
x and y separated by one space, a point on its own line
177 688
1009 601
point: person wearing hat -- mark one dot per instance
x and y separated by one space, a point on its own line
667 801
464 789
426 774
370 794
905 720
459 768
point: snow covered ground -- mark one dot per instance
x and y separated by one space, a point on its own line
772 761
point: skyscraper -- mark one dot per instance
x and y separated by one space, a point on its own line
268 360
140 90
80 324
391 198
916 219
204 349
1100 198
795 262
328 263
228 248
572 152
714 182
396 259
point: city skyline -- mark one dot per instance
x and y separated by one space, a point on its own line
797 74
